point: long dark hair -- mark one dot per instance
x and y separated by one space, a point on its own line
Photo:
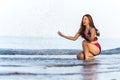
91 23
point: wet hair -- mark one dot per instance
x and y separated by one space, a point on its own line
91 23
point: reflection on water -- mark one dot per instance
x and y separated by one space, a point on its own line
90 70
58 67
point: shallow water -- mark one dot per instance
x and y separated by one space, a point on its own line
55 59
58 67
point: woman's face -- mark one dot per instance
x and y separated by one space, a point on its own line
85 21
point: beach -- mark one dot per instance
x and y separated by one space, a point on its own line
58 67
40 39
56 64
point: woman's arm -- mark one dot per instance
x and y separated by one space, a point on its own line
69 37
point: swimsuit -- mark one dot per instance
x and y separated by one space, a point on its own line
95 39
97 44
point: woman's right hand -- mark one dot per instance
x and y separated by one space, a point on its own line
60 34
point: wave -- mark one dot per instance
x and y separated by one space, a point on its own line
54 74
51 51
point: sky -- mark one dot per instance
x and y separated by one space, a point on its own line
43 18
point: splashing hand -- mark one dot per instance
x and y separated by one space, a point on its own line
60 34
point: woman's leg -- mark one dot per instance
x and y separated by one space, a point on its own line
80 56
86 49
89 50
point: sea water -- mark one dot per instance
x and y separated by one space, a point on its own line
52 43
30 58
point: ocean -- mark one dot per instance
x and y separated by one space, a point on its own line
52 43
31 58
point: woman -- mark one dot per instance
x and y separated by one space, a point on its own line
89 32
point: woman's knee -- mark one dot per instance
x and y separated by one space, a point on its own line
80 56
